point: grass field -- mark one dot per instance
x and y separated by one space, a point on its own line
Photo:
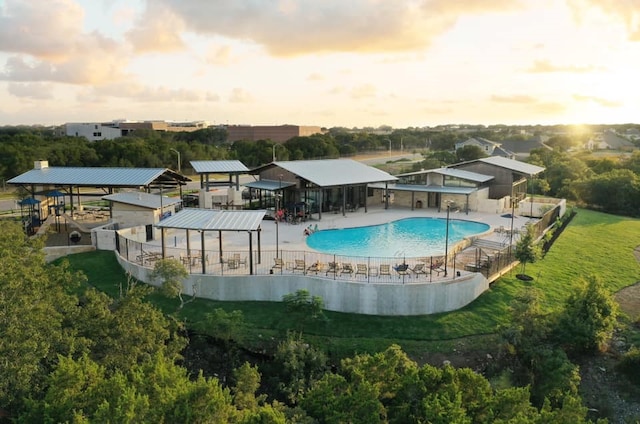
593 244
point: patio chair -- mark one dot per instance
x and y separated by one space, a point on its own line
437 267
299 266
419 269
361 269
232 264
334 268
279 264
240 261
347 269
315 267
402 270
385 269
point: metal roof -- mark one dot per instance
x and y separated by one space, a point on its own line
142 199
453 172
426 188
269 184
335 172
218 166
214 220
513 165
93 176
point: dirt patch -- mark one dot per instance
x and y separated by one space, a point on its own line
629 300
629 297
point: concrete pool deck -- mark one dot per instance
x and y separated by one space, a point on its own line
291 236
372 293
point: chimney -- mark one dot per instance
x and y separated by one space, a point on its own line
41 164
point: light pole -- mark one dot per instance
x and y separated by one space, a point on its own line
446 240
277 210
175 151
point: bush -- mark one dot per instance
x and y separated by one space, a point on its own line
629 365
588 320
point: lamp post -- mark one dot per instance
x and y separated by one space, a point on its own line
446 240
178 153
277 210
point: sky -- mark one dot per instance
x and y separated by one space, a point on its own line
349 63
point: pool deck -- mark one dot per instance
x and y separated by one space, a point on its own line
291 236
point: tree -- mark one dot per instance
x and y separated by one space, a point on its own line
303 305
470 152
589 318
172 274
298 366
37 313
526 249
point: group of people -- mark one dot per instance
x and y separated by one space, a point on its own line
308 231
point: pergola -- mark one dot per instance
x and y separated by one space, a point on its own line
232 168
43 180
203 220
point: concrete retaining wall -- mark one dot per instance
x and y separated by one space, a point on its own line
341 296
53 253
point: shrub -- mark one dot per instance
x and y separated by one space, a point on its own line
630 364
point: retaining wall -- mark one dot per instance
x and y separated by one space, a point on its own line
414 298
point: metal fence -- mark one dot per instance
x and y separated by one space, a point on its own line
393 270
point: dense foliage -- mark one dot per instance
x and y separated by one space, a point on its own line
72 354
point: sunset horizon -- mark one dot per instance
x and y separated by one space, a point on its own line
364 63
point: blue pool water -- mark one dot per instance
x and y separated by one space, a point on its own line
410 237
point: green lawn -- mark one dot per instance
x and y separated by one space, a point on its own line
594 243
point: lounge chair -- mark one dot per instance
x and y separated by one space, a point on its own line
385 269
437 267
361 269
347 269
315 267
334 268
299 266
279 264
419 269
402 270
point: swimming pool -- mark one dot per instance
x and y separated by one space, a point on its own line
409 237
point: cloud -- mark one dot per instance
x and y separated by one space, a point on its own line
599 100
287 28
34 91
315 77
544 66
239 95
219 55
142 93
517 98
48 44
157 30
363 91
626 11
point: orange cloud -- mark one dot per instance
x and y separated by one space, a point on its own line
544 66
157 30
625 11
295 28
599 100
49 45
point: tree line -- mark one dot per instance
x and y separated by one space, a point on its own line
609 184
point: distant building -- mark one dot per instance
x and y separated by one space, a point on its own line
277 133
609 140
490 148
94 131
